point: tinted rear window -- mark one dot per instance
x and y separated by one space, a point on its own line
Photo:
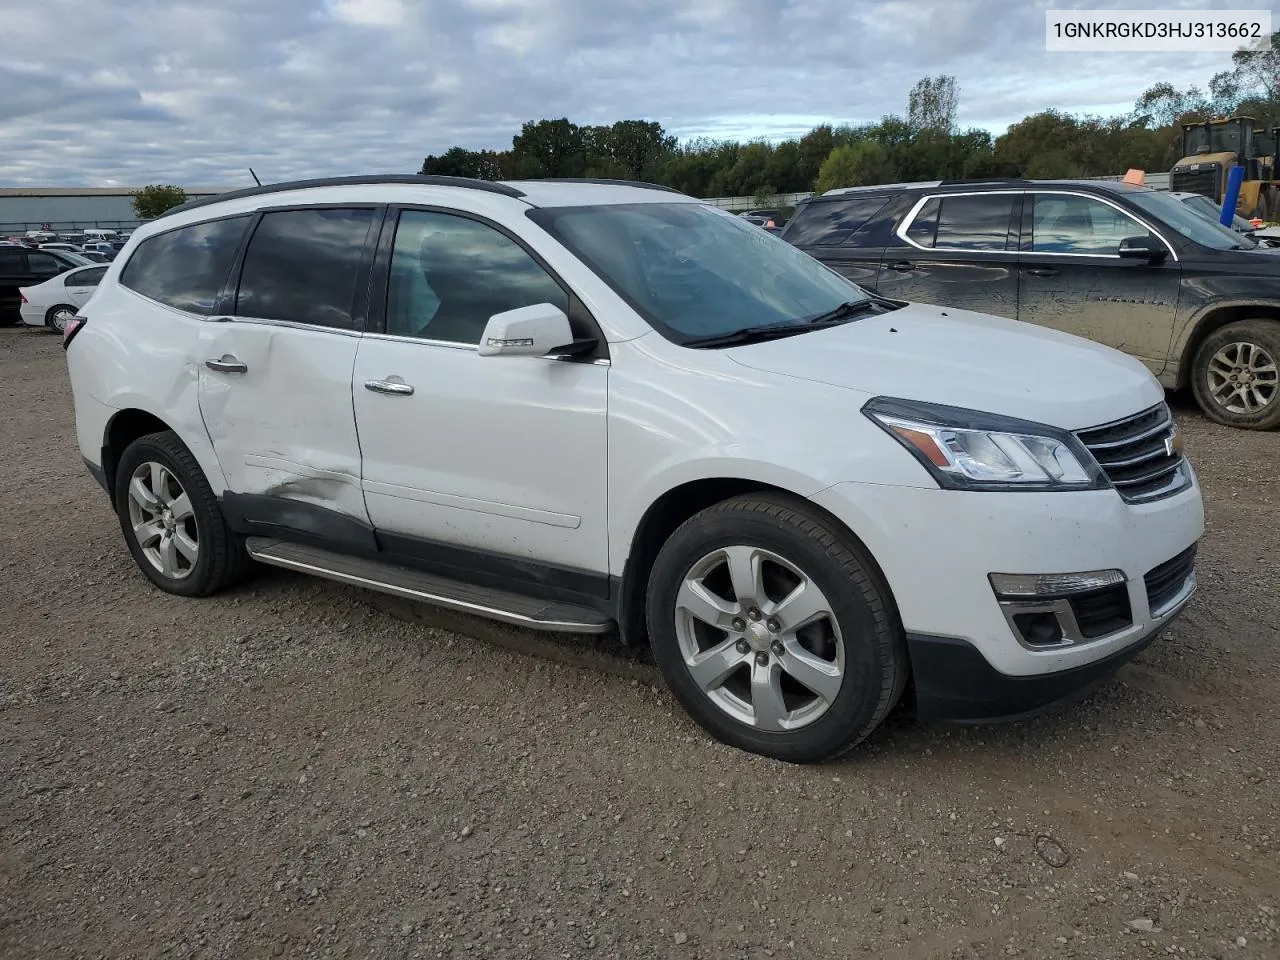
303 266
824 222
186 268
979 222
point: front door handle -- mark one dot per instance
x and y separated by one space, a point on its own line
902 266
395 387
227 364
1043 271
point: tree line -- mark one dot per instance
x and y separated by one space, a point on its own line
922 144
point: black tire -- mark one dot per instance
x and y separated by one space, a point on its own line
874 647
1260 335
221 559
52 313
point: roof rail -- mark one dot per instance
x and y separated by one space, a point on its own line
979 180
416 179
616 183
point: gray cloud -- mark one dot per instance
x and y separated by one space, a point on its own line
195 93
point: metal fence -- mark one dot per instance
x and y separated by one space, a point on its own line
13 228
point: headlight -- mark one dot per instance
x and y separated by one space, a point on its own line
968 450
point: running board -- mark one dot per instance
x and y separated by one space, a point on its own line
512 608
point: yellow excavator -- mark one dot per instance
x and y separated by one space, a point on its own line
1211 148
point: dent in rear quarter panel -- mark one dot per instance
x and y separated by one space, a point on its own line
145 357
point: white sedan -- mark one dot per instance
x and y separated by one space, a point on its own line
52 303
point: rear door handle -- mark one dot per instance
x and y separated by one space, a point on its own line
902 266
1043 271
395 387
227 364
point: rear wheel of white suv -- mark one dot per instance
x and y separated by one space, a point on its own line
171 519
774 630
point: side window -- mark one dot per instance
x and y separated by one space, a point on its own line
85 278
1063 223
449 275
976 222
832 221
12 260
186 268
304 266
43 264
922 230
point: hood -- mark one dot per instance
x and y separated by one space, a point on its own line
966 359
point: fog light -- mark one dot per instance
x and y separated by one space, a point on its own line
1052 584
1039 629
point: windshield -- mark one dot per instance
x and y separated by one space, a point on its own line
1188 222
1202 204
73 258
696 272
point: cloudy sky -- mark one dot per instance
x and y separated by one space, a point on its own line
142 91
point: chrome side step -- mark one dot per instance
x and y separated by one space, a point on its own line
512 608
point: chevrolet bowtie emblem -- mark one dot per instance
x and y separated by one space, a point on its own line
1173 444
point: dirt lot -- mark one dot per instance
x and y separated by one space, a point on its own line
293 770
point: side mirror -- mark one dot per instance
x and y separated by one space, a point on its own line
1142 248
533 331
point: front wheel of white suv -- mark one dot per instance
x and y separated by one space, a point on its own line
171 520
774 630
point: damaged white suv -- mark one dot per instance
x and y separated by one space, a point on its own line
594 406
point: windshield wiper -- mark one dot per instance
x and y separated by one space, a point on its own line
750 335
775 331
848 308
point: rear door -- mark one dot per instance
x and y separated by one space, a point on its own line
957 250
80 284
839 232
275 375
1071 277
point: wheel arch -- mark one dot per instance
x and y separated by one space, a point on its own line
668 511
129 423
1213 319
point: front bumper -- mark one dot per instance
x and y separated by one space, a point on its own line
937 547
953 681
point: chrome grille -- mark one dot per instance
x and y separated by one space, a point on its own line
1138 455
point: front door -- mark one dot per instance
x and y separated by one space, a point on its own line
275 376
1071 277
956 250
483 462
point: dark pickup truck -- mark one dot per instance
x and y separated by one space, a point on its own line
20 267
1130 267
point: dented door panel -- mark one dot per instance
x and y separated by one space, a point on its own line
283 427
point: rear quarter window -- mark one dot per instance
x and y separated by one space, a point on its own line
823 222
187 267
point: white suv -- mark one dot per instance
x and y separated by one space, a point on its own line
588 406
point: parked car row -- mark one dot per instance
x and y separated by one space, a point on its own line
1130 267
22 268
588 406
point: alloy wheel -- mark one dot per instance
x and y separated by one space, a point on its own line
1243 378
60 318
759 638
163 520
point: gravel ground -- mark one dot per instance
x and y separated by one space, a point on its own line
301 770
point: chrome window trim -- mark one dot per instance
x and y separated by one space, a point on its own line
472 347
901 232
284 324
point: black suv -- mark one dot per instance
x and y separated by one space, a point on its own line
1127 266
